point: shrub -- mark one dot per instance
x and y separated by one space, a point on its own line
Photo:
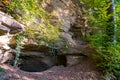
108 57
35 18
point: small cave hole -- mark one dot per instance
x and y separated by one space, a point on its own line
32 64
61 60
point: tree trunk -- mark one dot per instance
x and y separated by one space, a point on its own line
111 27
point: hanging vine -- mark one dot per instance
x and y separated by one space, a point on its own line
19 39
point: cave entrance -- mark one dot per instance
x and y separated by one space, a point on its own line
38 64
33 64
61 60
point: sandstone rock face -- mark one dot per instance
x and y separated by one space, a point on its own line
3 29
5 50
73 60
73 26
8 27
63 10
70 14
8 24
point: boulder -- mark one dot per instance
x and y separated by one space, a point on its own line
3 29
4 41
68 39
6 56
8 24
74 59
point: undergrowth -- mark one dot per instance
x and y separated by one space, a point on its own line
102 38
35 18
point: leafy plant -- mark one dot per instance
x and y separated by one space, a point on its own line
35 18
108 57
19 40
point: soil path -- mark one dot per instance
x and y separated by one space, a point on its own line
82 71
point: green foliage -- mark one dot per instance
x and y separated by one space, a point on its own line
108 60
19 39
96 10
35 18
108 57
1 70
118 20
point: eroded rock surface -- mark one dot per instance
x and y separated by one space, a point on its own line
7 26
70 13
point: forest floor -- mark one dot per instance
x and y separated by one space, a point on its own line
82 71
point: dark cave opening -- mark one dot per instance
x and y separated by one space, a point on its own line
61 60
36 64
33 64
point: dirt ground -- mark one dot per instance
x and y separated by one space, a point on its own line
82 71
